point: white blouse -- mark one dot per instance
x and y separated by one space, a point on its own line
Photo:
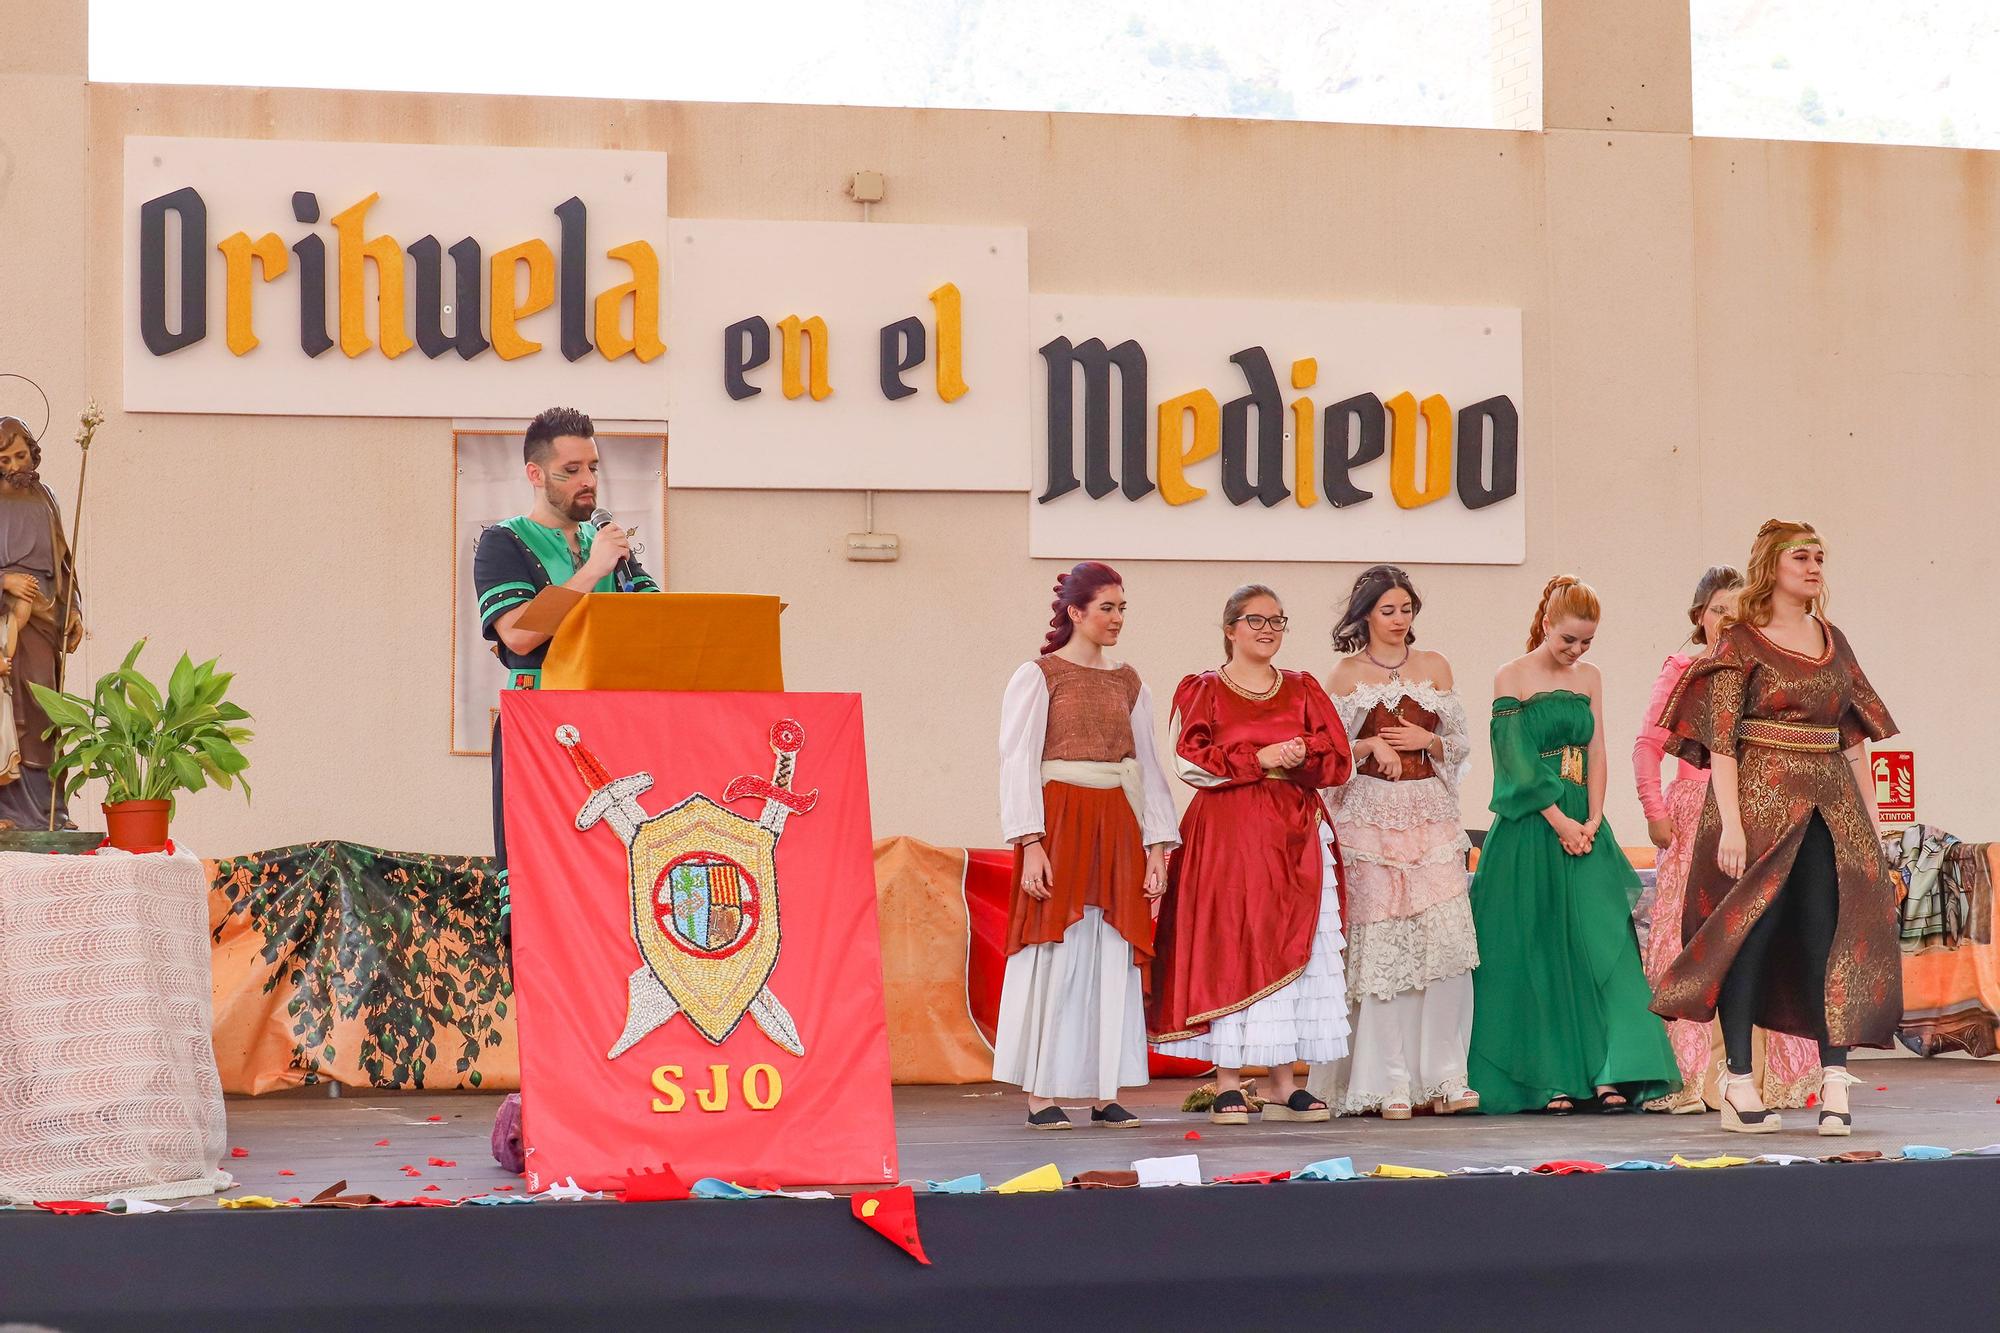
1024 724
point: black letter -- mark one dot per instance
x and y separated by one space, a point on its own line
1130 358
430 299
161 340
575 228
311 251
902 349
746 345
1263 395
1506 419
1337 460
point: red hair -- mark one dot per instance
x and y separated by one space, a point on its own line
1075 589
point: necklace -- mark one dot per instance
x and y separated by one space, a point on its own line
1276 684
1396 671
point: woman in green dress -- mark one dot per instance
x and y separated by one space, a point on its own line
1561 1009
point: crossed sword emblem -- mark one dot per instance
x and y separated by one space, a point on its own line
615 801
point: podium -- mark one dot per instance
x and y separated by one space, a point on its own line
708 642
697 965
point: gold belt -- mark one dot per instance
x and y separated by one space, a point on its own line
1808 736
1570 762
1278 774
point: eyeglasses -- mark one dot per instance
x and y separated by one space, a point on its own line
1277 623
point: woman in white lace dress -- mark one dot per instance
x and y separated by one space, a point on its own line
1410 942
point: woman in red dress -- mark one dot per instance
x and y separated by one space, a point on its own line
1247 966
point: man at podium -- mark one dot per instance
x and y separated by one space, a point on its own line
554 544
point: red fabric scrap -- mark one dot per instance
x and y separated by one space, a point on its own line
1568 1168
71 1207
239 1152
892 1214
439 1161
653 1185
288 1173
1254 1178
431 1188
1192 1134
434 1119
381 1143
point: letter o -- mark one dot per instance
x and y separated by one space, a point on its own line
773 1089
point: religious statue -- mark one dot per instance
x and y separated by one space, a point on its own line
40 618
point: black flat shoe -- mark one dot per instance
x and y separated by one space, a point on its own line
1049 1118
1113 1116
1613 1103
1230 1108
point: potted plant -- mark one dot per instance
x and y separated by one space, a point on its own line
146 744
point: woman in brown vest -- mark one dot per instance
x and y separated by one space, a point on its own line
1086 805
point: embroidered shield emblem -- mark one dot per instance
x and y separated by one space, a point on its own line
705 909
703 882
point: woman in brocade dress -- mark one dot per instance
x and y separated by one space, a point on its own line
1790 917
1560 1000
1786 1067
1247 969
1086 806
1410 942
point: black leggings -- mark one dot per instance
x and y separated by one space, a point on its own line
500 842
1808 907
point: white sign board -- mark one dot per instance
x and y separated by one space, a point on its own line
848 356
254 279
1415 453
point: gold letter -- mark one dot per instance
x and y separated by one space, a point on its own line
1403 449
1174 460
663 1081
1305 374
716 1096
356 247
774 1087
950 343
238 250
793 328
644 289
506 309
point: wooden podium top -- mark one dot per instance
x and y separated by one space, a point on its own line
667 641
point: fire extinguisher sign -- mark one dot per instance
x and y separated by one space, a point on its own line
1895 774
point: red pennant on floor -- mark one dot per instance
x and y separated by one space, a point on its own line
892 1214
381 1143
439 1161
77 1207
654 1185
239 1152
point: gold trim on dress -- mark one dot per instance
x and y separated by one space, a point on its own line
1214 1014
1572 765
1809 737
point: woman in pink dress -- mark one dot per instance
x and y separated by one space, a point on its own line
1786 1067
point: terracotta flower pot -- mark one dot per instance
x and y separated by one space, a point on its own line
137 826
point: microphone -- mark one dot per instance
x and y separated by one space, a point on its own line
623 573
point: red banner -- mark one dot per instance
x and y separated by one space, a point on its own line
696 960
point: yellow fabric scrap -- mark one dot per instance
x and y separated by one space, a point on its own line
1407 1172
1034 1182
251 1201
1705 1163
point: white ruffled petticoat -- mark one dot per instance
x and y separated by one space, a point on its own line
1304 1020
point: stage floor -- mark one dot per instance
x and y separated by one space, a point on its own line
946 1132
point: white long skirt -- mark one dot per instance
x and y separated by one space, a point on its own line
1072 1017
1305 1020
1411 1046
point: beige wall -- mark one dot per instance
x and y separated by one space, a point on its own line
1704 323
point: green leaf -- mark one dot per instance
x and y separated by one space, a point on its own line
65 710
